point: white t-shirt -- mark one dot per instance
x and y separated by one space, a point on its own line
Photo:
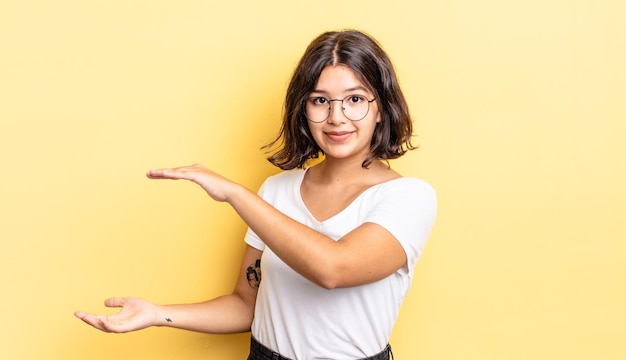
303 321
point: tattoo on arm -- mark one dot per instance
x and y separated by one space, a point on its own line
168 319
253 274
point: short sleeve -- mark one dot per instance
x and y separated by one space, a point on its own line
407 208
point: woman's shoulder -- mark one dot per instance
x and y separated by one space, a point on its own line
286 176
406 186
415 182
283 179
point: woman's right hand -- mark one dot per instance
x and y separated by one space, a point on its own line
217 186
135 314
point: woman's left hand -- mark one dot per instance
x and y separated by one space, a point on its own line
214 184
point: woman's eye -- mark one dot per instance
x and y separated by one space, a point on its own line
355 99
320 101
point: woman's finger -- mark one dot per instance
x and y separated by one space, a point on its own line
93 320
114 302
186 172
159 174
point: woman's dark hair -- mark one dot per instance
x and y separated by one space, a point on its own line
362 54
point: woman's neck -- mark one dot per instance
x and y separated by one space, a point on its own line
331 171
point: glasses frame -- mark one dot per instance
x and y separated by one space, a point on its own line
343 109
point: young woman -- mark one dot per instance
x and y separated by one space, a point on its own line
331 248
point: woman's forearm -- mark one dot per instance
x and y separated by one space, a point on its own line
305 250
222 315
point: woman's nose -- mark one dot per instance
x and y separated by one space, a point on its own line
336 115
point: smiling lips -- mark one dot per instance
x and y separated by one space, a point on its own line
338 136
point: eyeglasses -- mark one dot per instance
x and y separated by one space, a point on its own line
354 107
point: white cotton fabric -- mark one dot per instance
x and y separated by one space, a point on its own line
304 321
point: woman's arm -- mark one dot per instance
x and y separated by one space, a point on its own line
227 314
367 254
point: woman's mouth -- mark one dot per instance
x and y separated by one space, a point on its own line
338 136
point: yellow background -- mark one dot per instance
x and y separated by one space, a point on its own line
520 113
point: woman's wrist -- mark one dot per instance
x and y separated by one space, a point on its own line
161 316
236 193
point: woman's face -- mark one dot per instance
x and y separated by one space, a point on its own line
337 135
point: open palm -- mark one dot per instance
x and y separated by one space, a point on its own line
135 314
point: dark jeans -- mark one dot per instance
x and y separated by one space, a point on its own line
260 352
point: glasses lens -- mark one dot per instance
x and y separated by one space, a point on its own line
355 107
317 109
